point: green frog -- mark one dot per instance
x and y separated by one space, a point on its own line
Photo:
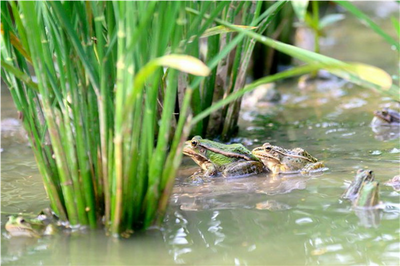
367 206
286 161
368 195
353 190
230 160
18 226
43 224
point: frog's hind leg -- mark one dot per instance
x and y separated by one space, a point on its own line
313 167
243 168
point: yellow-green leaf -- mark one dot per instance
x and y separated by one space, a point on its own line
17 44
222 29
184 63
371 74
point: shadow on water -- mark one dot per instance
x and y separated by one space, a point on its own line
258 220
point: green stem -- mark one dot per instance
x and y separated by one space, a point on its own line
316 23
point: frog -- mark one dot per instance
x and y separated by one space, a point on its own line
19 227
368 197
394 182
367 206
362 175
287 161
386 124
42 225
386 117
228 160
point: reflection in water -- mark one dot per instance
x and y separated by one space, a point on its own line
89 248
384 133
272 205
369 217
248 193
17 247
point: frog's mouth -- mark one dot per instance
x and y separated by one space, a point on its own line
269 157
197 157
261 154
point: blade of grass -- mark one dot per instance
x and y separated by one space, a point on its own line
365 18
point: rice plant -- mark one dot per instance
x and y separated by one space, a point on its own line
109 91
101 113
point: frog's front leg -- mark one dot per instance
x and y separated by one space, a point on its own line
312 167
243 168
209 169
278 169
196 178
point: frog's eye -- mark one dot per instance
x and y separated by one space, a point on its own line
21 220
267 148
194 143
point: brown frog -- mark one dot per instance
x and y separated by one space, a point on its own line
286 161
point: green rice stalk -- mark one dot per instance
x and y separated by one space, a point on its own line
108 94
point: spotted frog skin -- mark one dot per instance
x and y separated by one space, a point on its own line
230 160
286 161
361 177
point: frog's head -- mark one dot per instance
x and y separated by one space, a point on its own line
204 151
365 175
18 226
353 190
383 115
369 195
194 150
388 116
361 177
269 154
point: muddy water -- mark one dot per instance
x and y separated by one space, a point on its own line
258 220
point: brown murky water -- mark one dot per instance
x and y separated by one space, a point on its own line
248 221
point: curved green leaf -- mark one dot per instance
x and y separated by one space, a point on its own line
345 71
184 63
222 29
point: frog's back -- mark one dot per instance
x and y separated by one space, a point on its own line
302 152
240 149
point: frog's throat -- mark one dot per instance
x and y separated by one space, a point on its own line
374 199
228 154
369 195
